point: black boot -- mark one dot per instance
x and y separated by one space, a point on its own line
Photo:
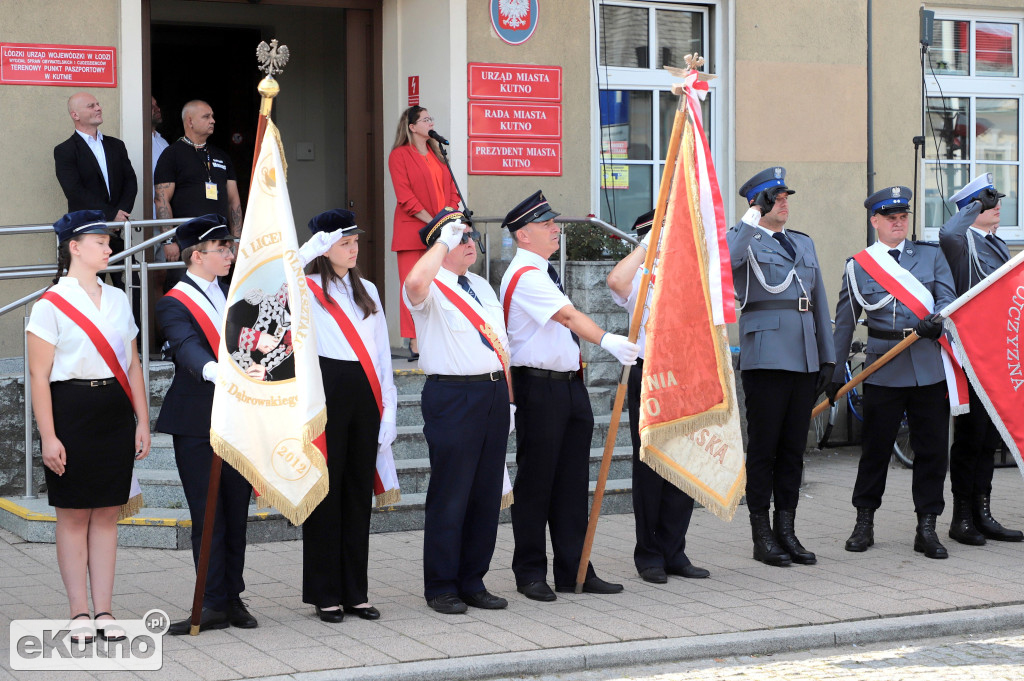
988 525
962 528
786 536
863 531
766 549
927 540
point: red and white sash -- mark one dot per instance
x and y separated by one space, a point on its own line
385 481
905 287
202 309
507 303
111 348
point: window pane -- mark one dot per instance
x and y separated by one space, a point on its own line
667 103
996 134
946 127
624 37
948 53
995 49
1004 178
941 180
679 34
626 123
631 196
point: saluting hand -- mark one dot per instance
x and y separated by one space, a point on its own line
54 455
142 440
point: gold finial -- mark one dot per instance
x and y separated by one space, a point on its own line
272 59
693 61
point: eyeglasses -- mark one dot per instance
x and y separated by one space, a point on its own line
428 119
222 252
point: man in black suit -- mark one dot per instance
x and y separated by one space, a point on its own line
93 169
190 317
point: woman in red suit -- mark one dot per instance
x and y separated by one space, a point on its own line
423 187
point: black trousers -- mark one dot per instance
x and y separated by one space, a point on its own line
336 535
779 405
466 427
927 410
554 426
227 549
661 510
972 456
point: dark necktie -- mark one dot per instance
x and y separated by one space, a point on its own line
895 253
553 274
786 243
997 246
464 283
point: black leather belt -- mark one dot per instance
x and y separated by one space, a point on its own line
884 334
92 383
546 373
494 376
800 304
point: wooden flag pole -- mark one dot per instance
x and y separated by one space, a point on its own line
634 330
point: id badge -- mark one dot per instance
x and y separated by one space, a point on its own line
211 191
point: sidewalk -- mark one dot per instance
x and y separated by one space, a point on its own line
741 598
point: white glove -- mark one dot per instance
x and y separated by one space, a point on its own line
319 244
511 418
621 348
752 217
387 434
210 372
646 241
451 234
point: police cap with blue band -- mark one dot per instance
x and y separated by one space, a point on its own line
766 179
80 222
209 227
973 188
889 201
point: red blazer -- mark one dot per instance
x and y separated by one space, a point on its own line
414 188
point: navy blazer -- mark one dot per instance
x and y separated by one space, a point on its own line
953 238
80 177
189 400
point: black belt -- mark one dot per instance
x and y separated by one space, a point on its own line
494 377
90 382
800 304
546 373
884 334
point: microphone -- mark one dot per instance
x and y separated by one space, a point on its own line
437 138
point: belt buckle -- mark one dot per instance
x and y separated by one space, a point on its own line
494 376
95 383
803 304
907 332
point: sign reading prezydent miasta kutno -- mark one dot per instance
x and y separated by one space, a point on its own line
67 65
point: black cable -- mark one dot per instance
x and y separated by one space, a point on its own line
609 195
945 107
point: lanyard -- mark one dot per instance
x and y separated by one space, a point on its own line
201 150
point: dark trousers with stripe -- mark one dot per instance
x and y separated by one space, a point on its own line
927 409
661 510
554 426
227 548
466 427
972 456
336 535
778 407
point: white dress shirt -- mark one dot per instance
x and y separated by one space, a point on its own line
96 147
75 355
212 290
331 341
536 340
449 344
629 304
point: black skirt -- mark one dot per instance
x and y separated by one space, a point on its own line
96 425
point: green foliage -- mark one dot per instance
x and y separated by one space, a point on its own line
588 242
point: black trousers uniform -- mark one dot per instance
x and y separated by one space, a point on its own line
972 456
336 535
779 405
554 426
661 510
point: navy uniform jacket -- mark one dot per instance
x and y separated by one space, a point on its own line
921 363
80 177
786 340
189 400
953 237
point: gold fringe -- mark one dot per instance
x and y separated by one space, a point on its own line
389 497
130 508
699 494
507 500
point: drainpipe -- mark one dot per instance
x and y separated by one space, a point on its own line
871 131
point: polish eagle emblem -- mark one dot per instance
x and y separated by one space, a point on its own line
272 57
514 13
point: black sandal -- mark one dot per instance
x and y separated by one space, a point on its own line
101 632
85 637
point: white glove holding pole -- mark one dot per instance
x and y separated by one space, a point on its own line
387 434
511 418
646 241
451 234
621 348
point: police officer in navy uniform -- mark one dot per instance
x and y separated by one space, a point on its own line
973 252
912 382
786 358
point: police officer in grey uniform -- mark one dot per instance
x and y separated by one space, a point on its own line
973 252
913 382
786 358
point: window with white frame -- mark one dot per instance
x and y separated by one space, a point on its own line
635 41
974 91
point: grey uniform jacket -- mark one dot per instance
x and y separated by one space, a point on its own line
783 340
953 237
921 363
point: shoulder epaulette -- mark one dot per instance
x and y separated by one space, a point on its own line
793 231
927 243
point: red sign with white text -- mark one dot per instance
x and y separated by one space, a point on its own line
515 81
492 157
512 119
68 65
414 90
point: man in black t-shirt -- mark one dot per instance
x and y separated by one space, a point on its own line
195 178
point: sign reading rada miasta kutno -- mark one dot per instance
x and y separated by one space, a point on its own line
515 119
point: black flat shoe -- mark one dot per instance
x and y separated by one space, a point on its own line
413 356
330 616
447 604
537 591
208 619
654 575
485 600
102 632
593 585
690 572
367 613
239 616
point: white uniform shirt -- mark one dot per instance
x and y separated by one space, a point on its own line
212 290
95 145
449 343
536 340
630 304
331 341
75 355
